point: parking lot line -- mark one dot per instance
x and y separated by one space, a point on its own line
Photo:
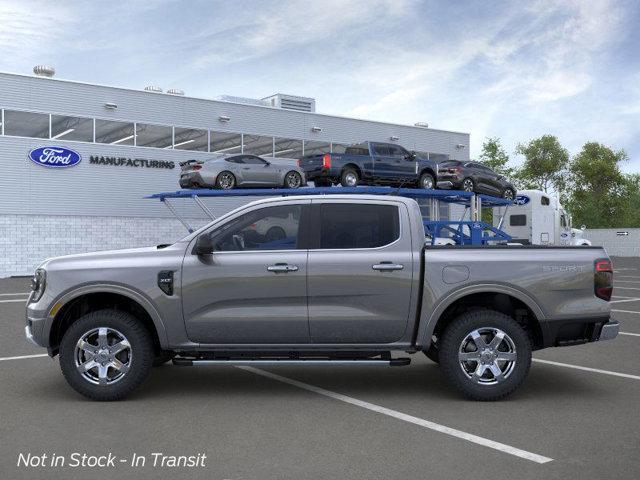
588 369
21 357
627 276
627 299
23 300
630 334
485 442
13 294
626 311
626 288
627 281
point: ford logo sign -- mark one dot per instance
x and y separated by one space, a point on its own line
521 200
56 157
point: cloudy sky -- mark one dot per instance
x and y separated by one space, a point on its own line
515 70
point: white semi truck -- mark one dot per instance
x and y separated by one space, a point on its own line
537 218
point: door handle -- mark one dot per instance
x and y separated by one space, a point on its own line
282 268
387 266
246 168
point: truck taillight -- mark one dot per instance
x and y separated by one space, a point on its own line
299 163
326 161
603 279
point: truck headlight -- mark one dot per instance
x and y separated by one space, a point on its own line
38 284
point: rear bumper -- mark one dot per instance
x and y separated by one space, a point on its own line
192 180
567 332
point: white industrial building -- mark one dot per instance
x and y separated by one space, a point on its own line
130 143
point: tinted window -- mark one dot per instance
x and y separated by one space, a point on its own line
270 228
252 160
381 149
357 150
544 200
344 225
449 163
517 220
397 151
26 124
238 159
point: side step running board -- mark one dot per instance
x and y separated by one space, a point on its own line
394 362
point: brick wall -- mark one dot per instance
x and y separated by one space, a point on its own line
27 240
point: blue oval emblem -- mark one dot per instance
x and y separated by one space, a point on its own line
521 200
56 157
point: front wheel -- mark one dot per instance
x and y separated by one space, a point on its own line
485 354
508 194
106 354
468 185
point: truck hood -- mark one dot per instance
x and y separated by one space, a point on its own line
105 258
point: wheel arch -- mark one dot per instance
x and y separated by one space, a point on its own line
355 167
97 297
510 301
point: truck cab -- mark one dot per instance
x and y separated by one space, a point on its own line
537 218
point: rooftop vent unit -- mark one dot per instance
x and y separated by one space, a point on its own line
153 88
422 124
44 71
175 91
291 102
244 100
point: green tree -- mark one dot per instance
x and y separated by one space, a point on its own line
495 157
599 192
545 164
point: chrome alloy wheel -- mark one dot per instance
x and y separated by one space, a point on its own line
226 181
508 194
467 185
293 180
427 182
103 356
351 179
487 356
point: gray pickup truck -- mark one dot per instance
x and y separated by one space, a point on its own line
349 282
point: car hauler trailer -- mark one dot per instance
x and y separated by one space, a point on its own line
438 231
537 218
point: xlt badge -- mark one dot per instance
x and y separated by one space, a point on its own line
165 281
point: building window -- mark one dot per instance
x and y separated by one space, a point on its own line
224 142
72 128
190 139
26 124
287 148
312 147
338 147
114 133
258 145
157 136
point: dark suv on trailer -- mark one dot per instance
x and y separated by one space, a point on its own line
474 177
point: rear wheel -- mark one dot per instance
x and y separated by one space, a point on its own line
432 353
468 185
427 181
508 194
349 178
292 179
225 181
106 354
485 354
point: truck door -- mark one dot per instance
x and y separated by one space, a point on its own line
382 162
360 272
252 289
403 165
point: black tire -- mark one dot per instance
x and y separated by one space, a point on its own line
509 194
164 357
296 184
432 353
457 372
222 183
468 185
346 178
322 182
139 359
427 179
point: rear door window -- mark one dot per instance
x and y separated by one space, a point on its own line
347 225
381 150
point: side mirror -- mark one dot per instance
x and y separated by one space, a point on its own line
267 163
583 227
410 156
203 246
